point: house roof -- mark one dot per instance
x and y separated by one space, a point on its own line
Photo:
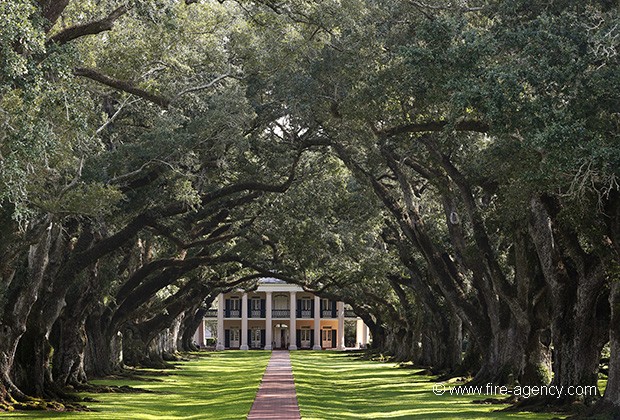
271 280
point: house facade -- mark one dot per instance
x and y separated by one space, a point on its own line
279 315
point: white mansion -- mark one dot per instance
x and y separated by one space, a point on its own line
279 315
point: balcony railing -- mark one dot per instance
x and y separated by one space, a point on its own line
257 313
211 313
306 314
233 314
280 313
327 314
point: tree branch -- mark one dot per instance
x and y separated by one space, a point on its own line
469 125
89 28
122 85
51 10
202 87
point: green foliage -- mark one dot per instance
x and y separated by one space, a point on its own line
20 39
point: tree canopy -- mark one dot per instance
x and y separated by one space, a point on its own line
449 169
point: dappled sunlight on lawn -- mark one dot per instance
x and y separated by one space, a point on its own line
219 386
338 386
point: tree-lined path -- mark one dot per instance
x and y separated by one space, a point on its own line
450 170
329 386
276 397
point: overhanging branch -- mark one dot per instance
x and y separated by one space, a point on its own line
89 28
122 85
468 125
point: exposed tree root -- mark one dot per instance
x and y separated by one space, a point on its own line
509 400
136 374
547 405
602 410
37 404
111 389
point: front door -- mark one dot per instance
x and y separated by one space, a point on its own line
304 338
284 338
326 339
234 338
280 336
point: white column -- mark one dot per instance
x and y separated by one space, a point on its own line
360 329
201 333
244 322
268 323
317 323
220 322
364 335
340 333
293 327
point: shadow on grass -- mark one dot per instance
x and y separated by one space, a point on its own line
340 386
220 386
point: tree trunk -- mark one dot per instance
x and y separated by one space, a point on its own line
610 403
192 321
20 296
69 334
103 354
580 305
538 367
502 356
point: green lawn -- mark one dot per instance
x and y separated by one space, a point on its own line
221 386
333 385
330 386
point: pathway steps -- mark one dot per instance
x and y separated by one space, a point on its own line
276 397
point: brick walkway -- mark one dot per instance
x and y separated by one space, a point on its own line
276 397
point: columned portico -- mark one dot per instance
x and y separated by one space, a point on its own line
244 322
317 323
220 322
268 322
281 315
293 321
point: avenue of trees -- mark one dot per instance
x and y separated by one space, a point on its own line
450 169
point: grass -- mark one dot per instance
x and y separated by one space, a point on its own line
220 386
330 385
333 385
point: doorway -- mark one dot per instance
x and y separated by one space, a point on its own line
281 335
326 338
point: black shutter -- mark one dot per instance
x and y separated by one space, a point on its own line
250 339
227 310
334 339
227 339
263 306
263 338
298 308
311 338
298 339
312 308
333 302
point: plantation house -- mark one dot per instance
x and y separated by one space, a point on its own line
279 315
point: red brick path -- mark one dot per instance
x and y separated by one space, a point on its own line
276 397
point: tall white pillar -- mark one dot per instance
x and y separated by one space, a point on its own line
244 322
220 322
293 327
364 335
201 334
317 324
360 334
340 333
268 323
